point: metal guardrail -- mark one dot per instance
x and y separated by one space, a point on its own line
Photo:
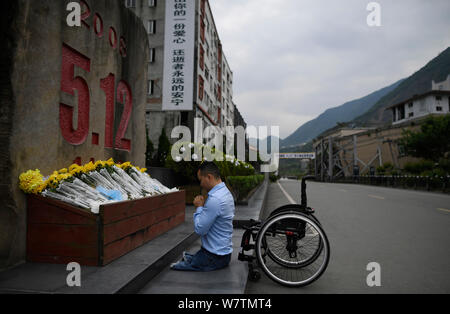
429 183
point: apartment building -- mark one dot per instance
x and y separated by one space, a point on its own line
180 91
434 102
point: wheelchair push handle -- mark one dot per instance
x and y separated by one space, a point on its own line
303 190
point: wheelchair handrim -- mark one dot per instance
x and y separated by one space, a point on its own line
315 226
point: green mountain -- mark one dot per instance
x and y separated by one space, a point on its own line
333 116
420 82
371 110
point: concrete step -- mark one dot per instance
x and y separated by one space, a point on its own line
136 271
127 274
230 280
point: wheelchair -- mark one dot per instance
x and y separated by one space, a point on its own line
290 247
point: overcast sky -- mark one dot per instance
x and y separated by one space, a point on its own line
293 59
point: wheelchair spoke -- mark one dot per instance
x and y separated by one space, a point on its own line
289 254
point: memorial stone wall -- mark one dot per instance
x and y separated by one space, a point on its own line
68 95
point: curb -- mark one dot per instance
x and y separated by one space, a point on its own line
140 281
240 223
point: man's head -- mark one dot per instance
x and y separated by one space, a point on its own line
209 175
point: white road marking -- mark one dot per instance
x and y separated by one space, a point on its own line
290 199
444 210
309 232
377 197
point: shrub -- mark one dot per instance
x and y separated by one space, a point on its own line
188 169
387 168
444 164
273 177
242 185
419 167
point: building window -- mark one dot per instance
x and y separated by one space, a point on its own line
202 58
202 31
130 3
438 98
401 113
201 87
152 55
152 3
151 87
206 73
410 105
202 7
151 27
219 93
219 73
439 108
411 114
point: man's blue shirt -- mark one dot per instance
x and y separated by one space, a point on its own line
214 221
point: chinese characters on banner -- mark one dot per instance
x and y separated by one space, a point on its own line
297 155
178 85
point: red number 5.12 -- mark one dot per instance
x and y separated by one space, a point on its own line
70 59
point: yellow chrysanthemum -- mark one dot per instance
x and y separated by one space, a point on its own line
73 167
99 163
89 167
126 165
143 170
110 162
75 170
63 170
30 181
42 187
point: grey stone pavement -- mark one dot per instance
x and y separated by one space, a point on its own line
231 280
405 231
147 266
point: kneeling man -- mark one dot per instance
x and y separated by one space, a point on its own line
213 221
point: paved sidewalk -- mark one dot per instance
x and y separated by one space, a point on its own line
230 280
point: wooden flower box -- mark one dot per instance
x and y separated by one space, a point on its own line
59 233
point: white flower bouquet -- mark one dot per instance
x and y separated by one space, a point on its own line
93 184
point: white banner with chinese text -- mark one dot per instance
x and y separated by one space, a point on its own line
297 155
178 81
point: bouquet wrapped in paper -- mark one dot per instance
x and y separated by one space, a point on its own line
93 184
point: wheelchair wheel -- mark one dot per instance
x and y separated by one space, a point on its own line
310 254
282 257
292 249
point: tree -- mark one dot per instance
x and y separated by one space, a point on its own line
163 149
149 151
432 142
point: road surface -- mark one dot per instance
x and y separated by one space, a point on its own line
406 232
